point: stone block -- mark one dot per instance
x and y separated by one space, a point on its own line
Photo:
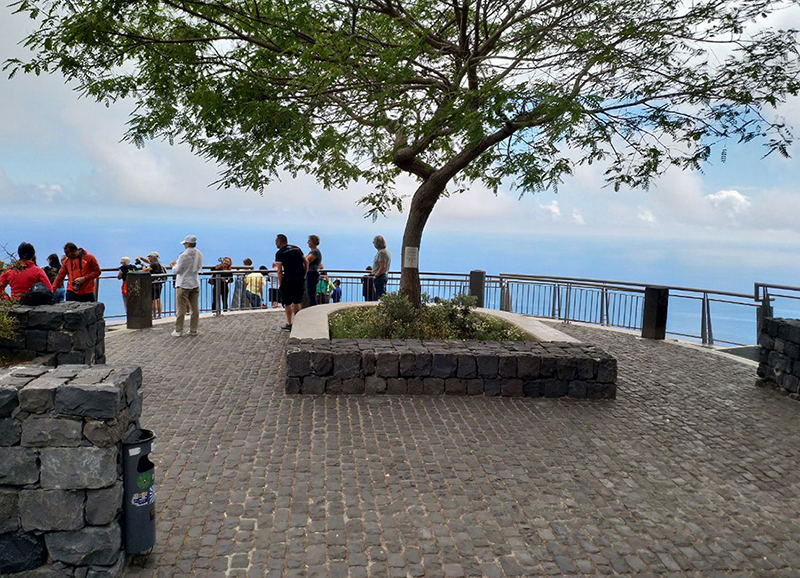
565 370
9 401
10 431
116 570
467 368
321 362
455 386
20 552
408 363
784 330
78 317
103 505
9 510
585 368
778 344
790 383
387 364
474 387
108 432
609 391
91 330
487 365
92 375
594 390
298 363
607 370
396 386
444 365
555 388
334 386
67 371
422 364
39 396
347 365
90 545
20 314
36 339
50 432
528 366
135 407
507 365
49 510
532 388
577 389
293 385
78 468
313 385
547 366
103 401
368 362
353 386
416 386
71 358
59 342
433 385
792 350
81 340
491 387
18 466
46 317
129 379
16 342
511 388
374 385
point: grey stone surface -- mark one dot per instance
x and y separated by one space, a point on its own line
109 432
50 432
51 510
20 552
690 467
9 510
46 317
75 468
103 401
113 571
102 506
59 341
9 401
90 545
10 431
18 466
36 339
92 375
40 395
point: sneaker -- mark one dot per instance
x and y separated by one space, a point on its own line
288 327
176 334
193 334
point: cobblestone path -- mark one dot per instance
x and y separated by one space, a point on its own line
691 471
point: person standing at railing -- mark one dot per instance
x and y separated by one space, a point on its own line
187 285
336 294
152 265
380 266
82 269
125 267
220 283
292 267
274 287
367 285
314 258
253 285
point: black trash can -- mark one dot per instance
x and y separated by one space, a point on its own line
139 492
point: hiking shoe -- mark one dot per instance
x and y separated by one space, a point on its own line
176 334
193 334
288 327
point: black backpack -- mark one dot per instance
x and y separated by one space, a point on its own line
38 294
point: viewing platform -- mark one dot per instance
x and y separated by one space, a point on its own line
690 471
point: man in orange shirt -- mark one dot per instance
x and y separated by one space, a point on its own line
82 269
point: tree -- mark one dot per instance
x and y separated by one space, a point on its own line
451 92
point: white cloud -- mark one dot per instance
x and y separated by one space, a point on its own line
729 202
577 217
645 215
552 208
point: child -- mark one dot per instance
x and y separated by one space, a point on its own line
336 294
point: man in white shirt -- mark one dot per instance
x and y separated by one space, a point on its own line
187 285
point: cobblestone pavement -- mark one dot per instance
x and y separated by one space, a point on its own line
691 471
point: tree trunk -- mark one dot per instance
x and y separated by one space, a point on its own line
421 207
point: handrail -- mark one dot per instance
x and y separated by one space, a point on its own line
768 286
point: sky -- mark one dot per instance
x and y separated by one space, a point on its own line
66 175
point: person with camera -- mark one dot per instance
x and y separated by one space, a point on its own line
125 267
152 265
82 269
220 283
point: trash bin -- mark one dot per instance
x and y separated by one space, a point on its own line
139 492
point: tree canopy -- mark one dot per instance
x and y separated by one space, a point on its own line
511 92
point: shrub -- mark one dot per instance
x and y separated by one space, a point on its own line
396 318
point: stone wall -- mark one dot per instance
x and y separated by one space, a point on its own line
779 355
520 368
65 333
60 467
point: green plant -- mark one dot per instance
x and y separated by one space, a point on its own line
396 318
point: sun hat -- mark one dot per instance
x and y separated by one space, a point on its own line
189 239
153 254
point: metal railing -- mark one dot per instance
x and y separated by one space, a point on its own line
783 298
618 303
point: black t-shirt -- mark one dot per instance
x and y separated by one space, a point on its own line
314 265
125 270
157 269
292 260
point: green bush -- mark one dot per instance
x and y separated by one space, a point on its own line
396 318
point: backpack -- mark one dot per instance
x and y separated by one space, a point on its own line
38 294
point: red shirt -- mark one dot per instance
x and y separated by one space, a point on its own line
84 265
22 279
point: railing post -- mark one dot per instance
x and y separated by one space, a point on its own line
477 285
709 330
505 297
603 297
654 316
764 310
140 300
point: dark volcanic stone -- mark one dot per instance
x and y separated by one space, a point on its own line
20 552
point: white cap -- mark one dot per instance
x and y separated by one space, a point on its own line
189 239
153 254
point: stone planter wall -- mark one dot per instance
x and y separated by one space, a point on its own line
61 467
779 355
65 333
370 366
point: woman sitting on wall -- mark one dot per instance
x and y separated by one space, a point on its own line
23 273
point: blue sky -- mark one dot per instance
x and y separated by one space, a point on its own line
65 175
